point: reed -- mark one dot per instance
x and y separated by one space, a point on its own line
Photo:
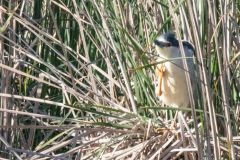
77 80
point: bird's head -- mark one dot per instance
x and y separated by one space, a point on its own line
167 46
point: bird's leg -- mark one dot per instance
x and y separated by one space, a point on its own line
180 121
171 128
173 125
159 72
182 129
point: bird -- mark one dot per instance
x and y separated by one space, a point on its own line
170 80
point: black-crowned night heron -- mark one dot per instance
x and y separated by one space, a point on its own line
171 84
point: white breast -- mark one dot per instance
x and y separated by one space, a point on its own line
174 85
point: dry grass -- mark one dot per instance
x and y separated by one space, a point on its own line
77 80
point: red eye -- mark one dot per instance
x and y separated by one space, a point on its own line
162 44
168 44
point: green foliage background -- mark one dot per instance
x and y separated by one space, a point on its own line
77 78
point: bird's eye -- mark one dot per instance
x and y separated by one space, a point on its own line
168 44
162 44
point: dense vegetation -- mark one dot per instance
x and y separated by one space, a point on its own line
77 80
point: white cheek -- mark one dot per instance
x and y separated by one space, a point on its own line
161 39
168 52
174 52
